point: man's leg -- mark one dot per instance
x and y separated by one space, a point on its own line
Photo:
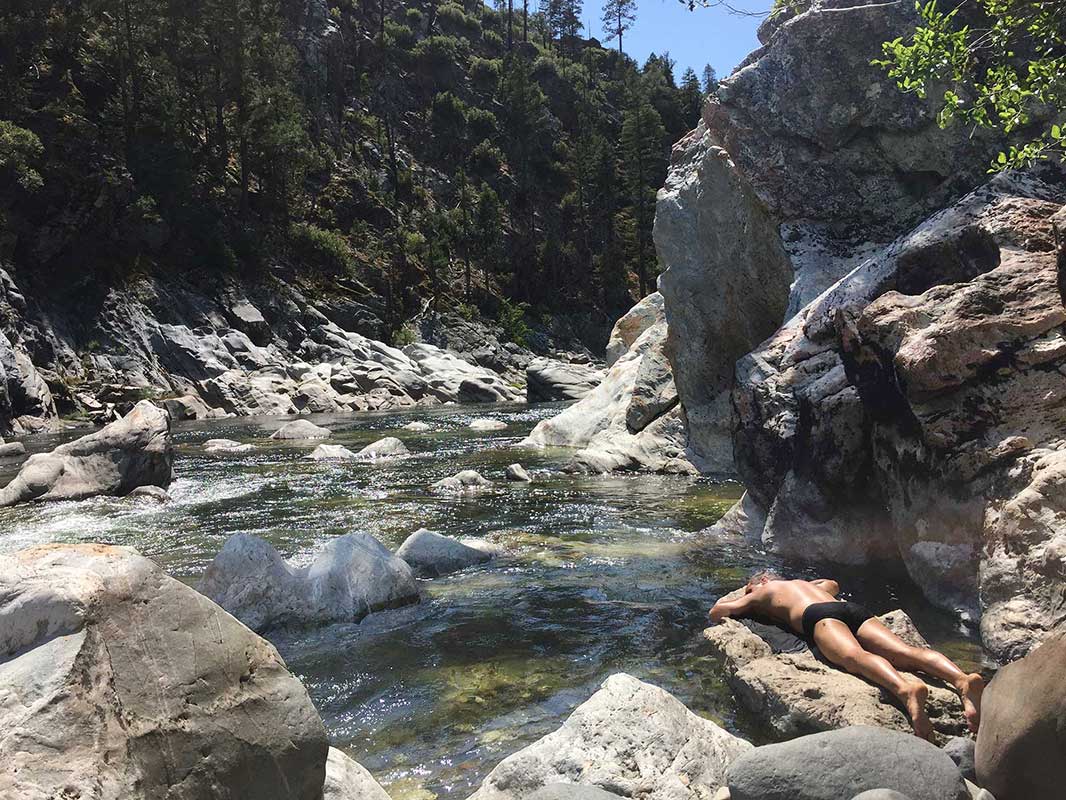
837 644
876 638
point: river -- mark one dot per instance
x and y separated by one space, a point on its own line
602 574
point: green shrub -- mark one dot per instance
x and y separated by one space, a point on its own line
326 250
404 335
512 318
397 35
481 123
466 311
454 19
493 40
485 73
413 17
486 158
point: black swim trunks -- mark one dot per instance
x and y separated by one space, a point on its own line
851 614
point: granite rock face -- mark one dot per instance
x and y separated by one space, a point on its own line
548 380
790 687
912 414
120 683
631 420
352 576
631 739
134 451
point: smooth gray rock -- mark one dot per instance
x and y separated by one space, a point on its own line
227 446
301 429
632 324
548 380
1021 743
417 425
431 555
487 424
352 576
517 473
389 447
12 449
843 763
572 791
190 407
961 750
331 452
133 451
150 494
347 779
449 373
120 683
880 794
467 481
630 738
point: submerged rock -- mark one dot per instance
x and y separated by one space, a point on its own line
630 738
486 424
352 576
133 451
389 447
841 764
227 446
467 481
431 555
331 452
786 683
1021 744
517 473
150 494
12 449
548 380
631 420
347 779
301 429
120 683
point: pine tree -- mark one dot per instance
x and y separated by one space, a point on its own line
643 162
691 96
618 17
710 80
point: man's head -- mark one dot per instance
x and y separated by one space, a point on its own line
759 578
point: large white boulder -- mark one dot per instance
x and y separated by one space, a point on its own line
120 683
631 738
347 779
351 577
431 554
133 451
301 429
389 447
548 380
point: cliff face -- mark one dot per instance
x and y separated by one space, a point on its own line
908 410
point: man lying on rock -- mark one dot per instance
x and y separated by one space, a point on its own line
850 637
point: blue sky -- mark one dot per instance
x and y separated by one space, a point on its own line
694 38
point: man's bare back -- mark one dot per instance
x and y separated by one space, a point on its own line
852 638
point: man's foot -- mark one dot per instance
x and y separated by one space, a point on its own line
970 688
914 695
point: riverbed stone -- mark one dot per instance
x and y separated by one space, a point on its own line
785 682
466 481
962 750
417 425
133 451
12 449
347 779
352 576
389 447
331 452
121 683
881 794
190 407
150 494
630 738
517 473
431 554
572 791
487 424
301 429
843 763
227 446
1021 743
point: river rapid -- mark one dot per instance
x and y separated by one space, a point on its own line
602 574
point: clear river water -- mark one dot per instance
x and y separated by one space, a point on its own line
602 574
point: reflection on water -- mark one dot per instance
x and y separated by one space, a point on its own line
602 574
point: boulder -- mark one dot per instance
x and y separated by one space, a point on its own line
227 446
961 750
1021 744
301 429
630 738
548 380
485 424
12 449
133 451
331 452
790 687
389 447
120 683
347 779
517 473
843 763
572 791
352 576
466 482
431 555
417 425
449 373
632 324
880 794
150 494
598 426
190 407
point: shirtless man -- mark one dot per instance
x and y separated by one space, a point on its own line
849 636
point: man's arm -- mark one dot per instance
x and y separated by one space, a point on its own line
827 585
731 608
